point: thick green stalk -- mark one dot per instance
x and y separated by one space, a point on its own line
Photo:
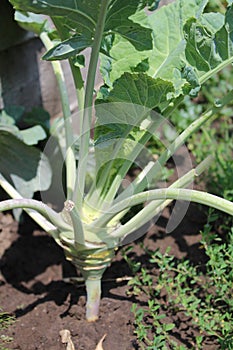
155 207
38 218
70 209
215 70
40 207
76 73
167 193
78 194
70 157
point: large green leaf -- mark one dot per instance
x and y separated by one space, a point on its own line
79 17
130 101
119 20
208 49
25 165
167 59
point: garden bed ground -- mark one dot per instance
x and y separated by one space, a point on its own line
32 288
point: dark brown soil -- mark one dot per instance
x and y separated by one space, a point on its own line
32 287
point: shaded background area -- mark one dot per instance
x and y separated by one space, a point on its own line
25 79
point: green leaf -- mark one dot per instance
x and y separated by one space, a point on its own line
32 136
140 89
168 327
25 165
10 117
7 121
166 59
213 20
190 75
124 115
129 102
21 164
11 114
68 48
182 56
108 132
79 17
200 48
207 48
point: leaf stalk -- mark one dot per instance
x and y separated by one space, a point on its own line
37 217
40 207
168 193
70 157
78 193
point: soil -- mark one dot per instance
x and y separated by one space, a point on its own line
34 287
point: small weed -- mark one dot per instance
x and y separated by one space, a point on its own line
6 321
179 293
133 265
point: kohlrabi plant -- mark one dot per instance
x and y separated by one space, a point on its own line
149 58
